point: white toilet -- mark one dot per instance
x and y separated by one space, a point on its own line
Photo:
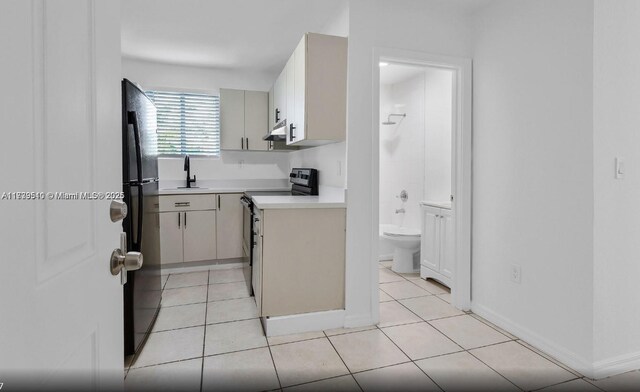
406 243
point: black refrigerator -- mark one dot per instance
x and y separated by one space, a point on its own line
143 290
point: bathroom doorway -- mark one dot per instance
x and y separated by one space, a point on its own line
422 153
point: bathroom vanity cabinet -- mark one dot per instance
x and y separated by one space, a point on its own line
437 247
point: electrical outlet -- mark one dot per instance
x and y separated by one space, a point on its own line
241 163
516 274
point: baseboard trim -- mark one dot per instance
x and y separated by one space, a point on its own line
616 365
562 354
358 320
300 323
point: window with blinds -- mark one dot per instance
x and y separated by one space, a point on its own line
188 123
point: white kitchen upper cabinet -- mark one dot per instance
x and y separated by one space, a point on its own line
280 97
290 98
256 120
272 104
199 235
171 237
300 74
232 118
319 90
229 223
244 119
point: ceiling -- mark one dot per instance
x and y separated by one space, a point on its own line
228 34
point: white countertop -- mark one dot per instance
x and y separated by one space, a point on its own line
170 187
437 204
329 198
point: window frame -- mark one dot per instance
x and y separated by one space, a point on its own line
173 90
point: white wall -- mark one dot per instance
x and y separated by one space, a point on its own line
532 167
402 151
328 159
617 206
154 75
407 24
231 164
438 130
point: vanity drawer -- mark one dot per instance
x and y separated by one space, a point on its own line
188 202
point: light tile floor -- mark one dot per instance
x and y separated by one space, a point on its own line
208 337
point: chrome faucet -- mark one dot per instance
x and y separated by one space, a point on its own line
400 211
187 168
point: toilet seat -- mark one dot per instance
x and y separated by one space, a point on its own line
402 232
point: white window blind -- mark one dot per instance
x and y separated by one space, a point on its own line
188 123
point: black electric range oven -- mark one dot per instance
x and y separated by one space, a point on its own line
304 183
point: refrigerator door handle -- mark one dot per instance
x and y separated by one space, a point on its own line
138 240
132 118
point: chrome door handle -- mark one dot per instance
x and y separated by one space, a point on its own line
117 210
130 261
123 261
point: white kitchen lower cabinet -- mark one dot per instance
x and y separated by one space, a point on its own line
187 236
229 226
437 247
199 235
299 261
171 237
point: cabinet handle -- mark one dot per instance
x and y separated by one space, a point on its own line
185 220
277 115
219 204
178 219
182 204
291 129
247 143
242 143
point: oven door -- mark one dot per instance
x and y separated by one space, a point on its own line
247 227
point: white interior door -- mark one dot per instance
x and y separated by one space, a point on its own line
61 309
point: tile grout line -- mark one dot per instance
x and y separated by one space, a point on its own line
550 359
273 361
497 372
410 359
557 384
204 338
341 359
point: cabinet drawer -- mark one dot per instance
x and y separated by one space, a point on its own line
188 202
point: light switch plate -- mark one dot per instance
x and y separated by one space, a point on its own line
620 168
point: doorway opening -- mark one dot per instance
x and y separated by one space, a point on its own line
422 168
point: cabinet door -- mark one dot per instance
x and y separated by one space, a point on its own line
300 74
272 109
229 226
256 120
290 70
171 237
280 97
430 239
231 119
256 272
447 247
199 235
